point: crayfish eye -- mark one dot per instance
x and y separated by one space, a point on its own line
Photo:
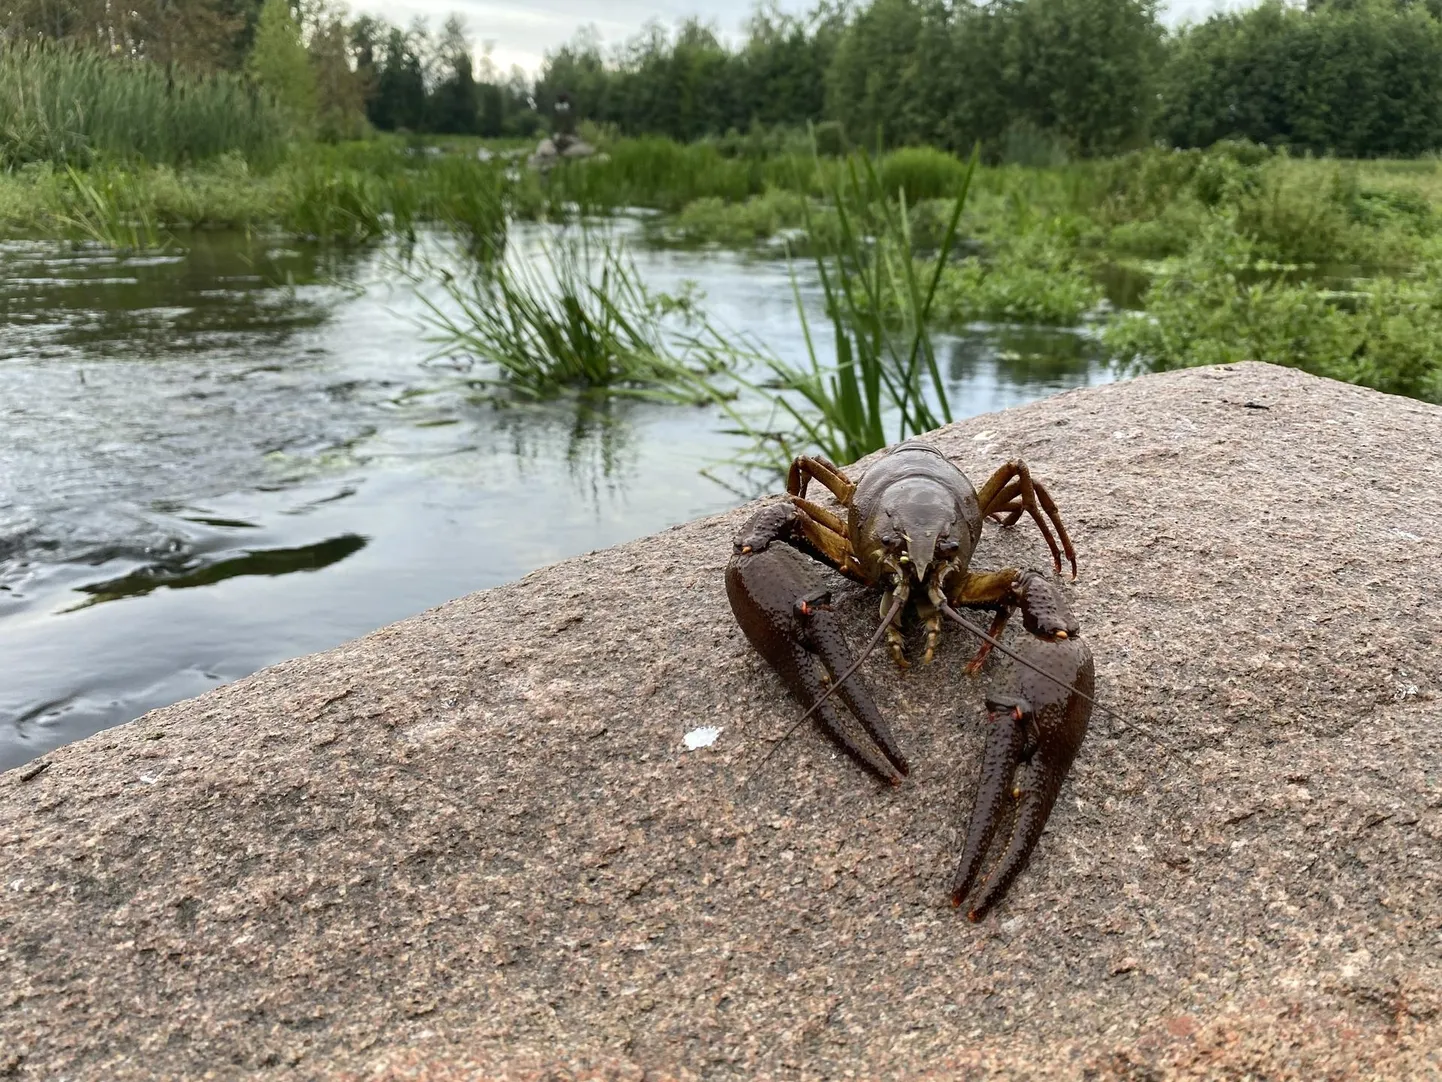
891 541
947 547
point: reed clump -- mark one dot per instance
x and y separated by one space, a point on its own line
573 316
70 107
882 382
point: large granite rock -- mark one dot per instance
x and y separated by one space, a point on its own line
472 845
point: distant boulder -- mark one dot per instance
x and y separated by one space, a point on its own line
553 149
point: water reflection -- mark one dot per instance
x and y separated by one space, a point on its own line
185 571
1124 283
1035 358
217 291
594 437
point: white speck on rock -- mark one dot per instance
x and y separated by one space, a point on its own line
703 737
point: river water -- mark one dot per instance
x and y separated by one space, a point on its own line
233 453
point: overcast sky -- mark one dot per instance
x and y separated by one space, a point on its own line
523 30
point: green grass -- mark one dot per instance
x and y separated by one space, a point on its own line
109 211
346 197
665 175
69 107
335 206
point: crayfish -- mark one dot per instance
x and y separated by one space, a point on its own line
911 526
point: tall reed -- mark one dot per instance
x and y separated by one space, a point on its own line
68 106
885 370
574 316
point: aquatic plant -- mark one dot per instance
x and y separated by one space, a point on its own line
1218 305
1015 290
573 316
662 174
880 305
1033 276
766 217
467 197
110 210
334 206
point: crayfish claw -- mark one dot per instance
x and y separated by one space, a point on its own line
1003 749
824 637
785 612
1037 723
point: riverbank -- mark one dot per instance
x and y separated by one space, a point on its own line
1184 257
475 837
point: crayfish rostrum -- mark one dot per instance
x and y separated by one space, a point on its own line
910 528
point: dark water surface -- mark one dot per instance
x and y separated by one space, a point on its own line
235 453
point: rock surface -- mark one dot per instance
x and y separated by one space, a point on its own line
473 845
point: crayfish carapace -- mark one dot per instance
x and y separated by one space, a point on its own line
912 523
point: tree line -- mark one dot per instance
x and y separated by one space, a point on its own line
334 73
1029 79
1035 78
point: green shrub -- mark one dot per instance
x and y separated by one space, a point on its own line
1169 234
830 139
1214 307
922 173
1014 291
1300 217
